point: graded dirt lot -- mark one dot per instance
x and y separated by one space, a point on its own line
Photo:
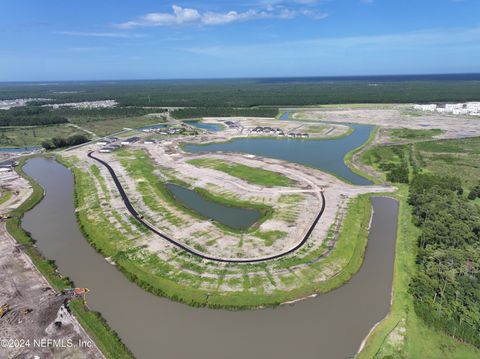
397 116
37 324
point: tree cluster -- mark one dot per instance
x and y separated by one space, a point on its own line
474 193
397 172
446 286
60 142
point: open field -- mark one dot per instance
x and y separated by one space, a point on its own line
104 127
410 135
394 118
34 135
250 174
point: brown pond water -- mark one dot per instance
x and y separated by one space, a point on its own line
329 326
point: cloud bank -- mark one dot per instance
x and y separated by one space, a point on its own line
187 16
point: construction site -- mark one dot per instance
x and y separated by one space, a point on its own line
35 321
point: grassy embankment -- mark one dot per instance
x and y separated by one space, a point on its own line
250 174
106 339
5 196
349 156
162 278
403 334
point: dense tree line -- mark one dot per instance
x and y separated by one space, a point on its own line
255 92
30 116
40 116
60 142
446 286
105 113
187 113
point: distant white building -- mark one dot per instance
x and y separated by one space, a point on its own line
460 111
430 107
469 108
473 107
450 107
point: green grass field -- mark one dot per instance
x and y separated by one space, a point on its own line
414 135
452 157
34 135
252 175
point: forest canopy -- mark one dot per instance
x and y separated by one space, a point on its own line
30 116
446 286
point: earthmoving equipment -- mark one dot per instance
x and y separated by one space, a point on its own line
77 292
4 309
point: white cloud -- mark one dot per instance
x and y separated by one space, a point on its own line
100 34
182 16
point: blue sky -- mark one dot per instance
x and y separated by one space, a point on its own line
141 39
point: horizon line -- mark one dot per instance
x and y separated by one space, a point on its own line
246 78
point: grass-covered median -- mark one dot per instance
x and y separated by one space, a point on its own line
105 338
250 174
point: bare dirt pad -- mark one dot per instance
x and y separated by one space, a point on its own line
37 325
19 187
397 117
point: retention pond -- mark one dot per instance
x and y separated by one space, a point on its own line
326 155
234 217
329 326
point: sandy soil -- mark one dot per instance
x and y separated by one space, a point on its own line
245 125
19 187
397 117
36 312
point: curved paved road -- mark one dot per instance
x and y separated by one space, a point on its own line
192 251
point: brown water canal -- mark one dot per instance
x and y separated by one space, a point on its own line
329 326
